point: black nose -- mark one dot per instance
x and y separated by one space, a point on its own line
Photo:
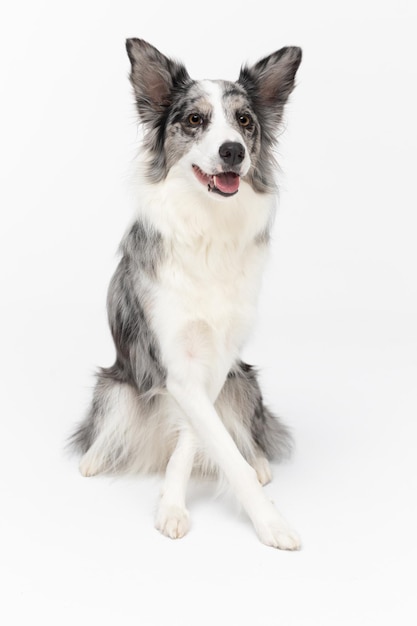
232 152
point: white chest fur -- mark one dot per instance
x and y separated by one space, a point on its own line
203 300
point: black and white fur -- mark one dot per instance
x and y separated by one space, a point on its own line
182 301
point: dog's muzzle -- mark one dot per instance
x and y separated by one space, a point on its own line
225 183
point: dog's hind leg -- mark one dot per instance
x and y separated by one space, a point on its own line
107 434
172 518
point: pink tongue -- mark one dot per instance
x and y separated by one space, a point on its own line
227 183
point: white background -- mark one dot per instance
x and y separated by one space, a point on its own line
335 339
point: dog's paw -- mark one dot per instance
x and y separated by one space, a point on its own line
172 521
263 470
278 537
274 531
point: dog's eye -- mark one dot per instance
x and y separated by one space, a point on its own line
244 120
195 119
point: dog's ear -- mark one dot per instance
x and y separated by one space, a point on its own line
153 77
270 81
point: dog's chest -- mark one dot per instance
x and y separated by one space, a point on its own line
213 283
210 269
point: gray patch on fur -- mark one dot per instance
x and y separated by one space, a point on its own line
138 360
143 247
179 134
263 238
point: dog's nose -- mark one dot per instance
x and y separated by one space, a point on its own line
232 152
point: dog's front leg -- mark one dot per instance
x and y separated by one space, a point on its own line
172 517
195 401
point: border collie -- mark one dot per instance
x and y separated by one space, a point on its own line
179 399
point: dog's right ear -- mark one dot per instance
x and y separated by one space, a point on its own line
153 77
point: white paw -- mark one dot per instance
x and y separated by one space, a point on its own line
172 521
277 537
263 470
274 531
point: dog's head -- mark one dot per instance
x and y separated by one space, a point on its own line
218 132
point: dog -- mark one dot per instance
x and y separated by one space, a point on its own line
179 399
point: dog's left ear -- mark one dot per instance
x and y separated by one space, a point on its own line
270 81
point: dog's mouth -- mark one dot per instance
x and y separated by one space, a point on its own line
225 183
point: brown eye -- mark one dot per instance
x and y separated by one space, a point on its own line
245 120
195 119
